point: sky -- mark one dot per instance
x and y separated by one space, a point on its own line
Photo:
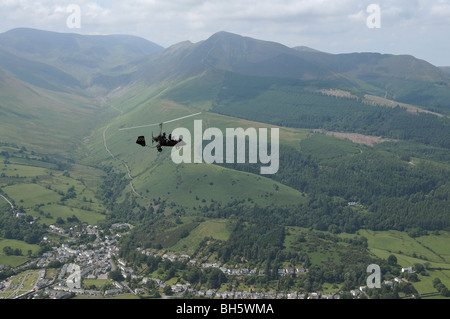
415 27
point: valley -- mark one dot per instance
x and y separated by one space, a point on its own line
362 180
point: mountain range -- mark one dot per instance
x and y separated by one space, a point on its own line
67 78
66 62
364 150
62 93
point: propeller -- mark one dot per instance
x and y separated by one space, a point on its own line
155 124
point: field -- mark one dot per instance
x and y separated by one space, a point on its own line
219 229
40 189
407 249
410 251
95 283
12 261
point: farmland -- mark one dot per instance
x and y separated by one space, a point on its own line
44 190
410 251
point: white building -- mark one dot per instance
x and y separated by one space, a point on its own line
409 270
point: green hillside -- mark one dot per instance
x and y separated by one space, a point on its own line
360 179
155 176
303 104
80 56
44 120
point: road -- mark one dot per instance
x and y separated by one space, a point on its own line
10 204
123 163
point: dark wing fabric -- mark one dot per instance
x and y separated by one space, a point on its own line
141 141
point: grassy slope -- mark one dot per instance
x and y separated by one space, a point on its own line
155 175
47 121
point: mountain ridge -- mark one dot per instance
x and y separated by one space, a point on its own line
101 63
80 56
397 77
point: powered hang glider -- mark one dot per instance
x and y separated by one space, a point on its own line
162 140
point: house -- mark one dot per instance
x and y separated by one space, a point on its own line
313 295
112 291
355 293
289 271
292 295
408 270
177 288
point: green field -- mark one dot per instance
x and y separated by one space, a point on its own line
49 193
219 229
407 249
12 260
29 195
97 283
431 251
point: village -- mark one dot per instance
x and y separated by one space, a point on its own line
62 273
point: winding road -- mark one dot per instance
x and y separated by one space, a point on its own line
10 204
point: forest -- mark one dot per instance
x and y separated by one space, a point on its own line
393 193
291 103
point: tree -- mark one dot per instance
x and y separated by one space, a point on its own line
8 250
168 290
392 260
116 275
445 292
216 278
